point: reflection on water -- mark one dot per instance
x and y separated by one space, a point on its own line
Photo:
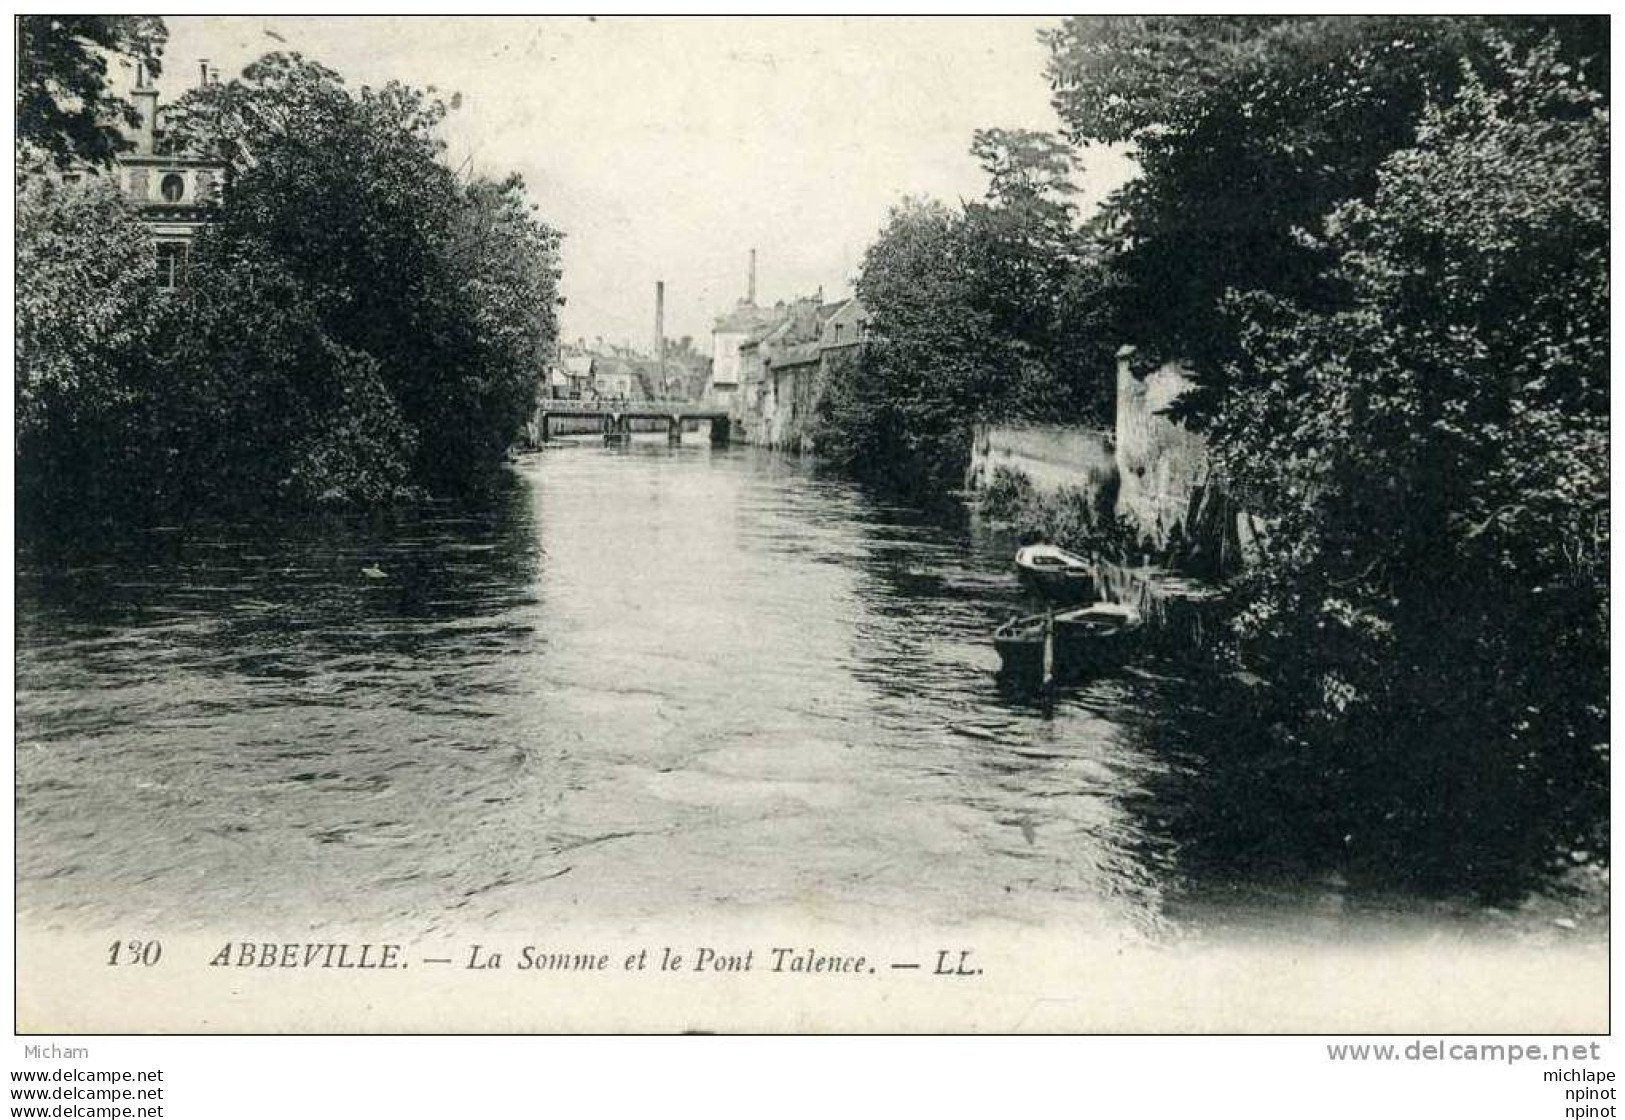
633 684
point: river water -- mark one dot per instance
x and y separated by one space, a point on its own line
634 683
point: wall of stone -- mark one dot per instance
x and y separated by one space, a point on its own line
1160 463
1147 468
1051 455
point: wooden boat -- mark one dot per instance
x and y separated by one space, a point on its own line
1020 643
1056 573
1094 639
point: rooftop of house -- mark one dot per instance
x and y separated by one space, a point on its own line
847 325
797 354
747 318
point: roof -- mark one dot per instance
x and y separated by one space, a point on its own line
612 367
746 318
781 332
848 311
801 353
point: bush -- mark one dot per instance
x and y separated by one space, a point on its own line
249 365
1432 600
1069 516
87 316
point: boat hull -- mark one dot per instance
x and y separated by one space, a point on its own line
1093 641
1057 586
1021 647
1056 574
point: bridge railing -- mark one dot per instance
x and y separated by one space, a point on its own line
548 404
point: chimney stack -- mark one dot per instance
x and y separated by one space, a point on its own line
750 289
145 96
660 328
202 73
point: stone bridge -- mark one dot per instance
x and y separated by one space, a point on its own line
617 416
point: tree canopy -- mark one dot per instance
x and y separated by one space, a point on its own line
451 287
1248 130
1429 457
979 312
67 111
360 323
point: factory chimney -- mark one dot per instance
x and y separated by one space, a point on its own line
660 330
750 288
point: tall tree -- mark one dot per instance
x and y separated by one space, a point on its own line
1430 456
505 261
1248 130
67 111
87 315
980 313
450 288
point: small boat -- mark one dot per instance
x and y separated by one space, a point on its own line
1093 639
1056 573
1020 643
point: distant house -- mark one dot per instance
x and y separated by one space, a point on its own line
175 194
745 324
614 378
576 375
799 368
755 404
847 324
796 383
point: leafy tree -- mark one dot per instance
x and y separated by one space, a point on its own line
504 261
1246 130
905 404
227 396
1025 165
86 316
450 289
67 114
246 363
1429 456
979 314
359 322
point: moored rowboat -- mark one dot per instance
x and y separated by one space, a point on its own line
1055 573
1087 641
1094 639
1020 643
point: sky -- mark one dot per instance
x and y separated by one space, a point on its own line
666 149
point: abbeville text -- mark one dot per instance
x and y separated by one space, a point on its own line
307 954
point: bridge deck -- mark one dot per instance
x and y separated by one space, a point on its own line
634 410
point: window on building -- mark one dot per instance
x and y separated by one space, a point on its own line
172 187
171 264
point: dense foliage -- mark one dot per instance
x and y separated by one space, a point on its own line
1247 130
450 288
67 112
1430 457
87 318
359 323
980 312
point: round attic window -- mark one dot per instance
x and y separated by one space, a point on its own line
173 187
